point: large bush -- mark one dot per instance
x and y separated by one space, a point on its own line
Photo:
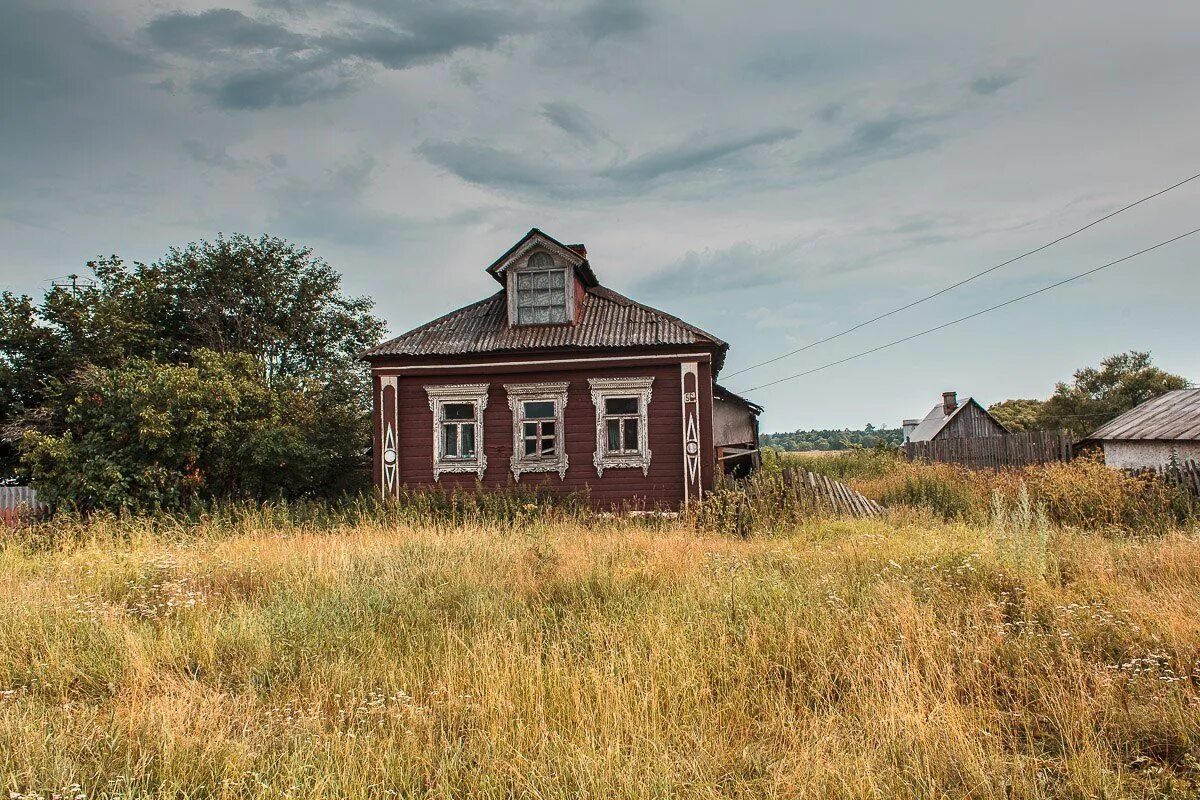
147 436
226 368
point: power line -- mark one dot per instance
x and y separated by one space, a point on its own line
964 281
944 325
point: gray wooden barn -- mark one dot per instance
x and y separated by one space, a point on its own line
951 419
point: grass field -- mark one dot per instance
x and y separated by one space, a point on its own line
906 657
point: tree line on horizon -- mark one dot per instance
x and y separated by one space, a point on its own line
1092 397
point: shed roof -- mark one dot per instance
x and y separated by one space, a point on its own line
721 393
1173 416
937 418
607 320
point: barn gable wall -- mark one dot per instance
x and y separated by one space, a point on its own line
971 422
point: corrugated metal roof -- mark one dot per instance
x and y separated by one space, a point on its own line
18 497
1172 416
934 421
606 320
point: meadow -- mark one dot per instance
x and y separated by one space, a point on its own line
442 651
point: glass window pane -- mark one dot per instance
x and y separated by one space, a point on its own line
468 440
614 435
547 429
450 440
458 411
524 280
631 434
541 315
558 314
539 409
621 405
531 447
530 429
558 279
541 280
548 446
542 260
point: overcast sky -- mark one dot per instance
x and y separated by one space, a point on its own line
771 172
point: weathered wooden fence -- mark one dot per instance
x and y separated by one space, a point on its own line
995 452
828 495
1185 474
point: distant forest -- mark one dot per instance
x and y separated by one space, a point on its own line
830 439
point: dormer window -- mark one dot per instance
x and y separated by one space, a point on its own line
541 292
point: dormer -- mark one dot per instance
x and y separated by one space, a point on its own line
544 280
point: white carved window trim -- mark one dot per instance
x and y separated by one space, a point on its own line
439 397
526 266
518 395
612 388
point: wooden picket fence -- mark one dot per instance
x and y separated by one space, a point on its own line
830 496
1185 474
995 452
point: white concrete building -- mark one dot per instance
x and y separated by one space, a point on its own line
1153 434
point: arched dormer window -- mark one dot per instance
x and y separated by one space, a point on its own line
541 292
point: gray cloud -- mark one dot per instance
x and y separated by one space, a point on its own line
573 121
486 165
605 18
879 139
691 156
219 29
252 64
990 84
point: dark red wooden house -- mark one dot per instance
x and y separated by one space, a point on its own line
557 382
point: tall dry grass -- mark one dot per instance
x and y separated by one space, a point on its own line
1082 493
281 654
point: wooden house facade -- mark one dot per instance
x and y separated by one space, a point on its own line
555 382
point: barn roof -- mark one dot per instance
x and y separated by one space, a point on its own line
606 320
1172 416
937 418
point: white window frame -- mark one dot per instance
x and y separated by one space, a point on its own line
518 395
525 268
441 396
614 388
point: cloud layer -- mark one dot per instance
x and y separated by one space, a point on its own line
772 172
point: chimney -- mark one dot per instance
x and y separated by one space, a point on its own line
908 426
949 402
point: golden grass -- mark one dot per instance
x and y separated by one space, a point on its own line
896 658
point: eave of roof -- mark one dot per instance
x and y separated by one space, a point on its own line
608 320
723 393
1174 416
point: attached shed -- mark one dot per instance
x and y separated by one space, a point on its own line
951 419
1153 434
735 431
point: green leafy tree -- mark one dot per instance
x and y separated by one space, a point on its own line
1096 396
1018 415
263 298
146 436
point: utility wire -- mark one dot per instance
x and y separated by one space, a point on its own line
944 325
964 281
